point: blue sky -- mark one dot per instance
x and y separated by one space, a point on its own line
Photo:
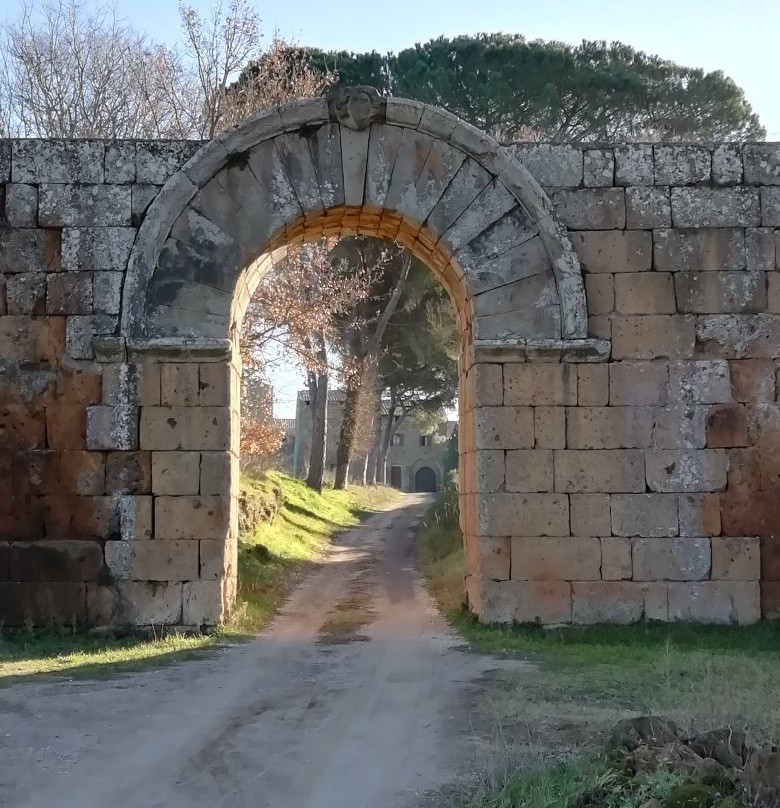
738 38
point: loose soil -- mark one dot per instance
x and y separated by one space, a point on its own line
357 694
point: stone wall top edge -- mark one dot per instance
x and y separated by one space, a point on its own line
106 140
584 145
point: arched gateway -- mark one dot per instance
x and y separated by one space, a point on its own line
351 164
627 475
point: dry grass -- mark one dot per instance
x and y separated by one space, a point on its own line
584 680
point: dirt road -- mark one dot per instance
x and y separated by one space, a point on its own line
355 697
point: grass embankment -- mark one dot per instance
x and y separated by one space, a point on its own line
268 564
585 679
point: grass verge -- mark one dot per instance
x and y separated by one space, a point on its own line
268 562
584 679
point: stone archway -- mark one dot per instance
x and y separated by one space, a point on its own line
351 164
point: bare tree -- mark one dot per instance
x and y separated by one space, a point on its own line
218 47
69 72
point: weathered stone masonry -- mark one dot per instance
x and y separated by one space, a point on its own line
616 463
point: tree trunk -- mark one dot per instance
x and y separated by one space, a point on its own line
346 438
373 458
318 396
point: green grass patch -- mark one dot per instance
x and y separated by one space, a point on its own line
268 563
306 522
582 680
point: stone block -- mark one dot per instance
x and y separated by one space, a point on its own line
770 207
217 471
598 168
685 558
773 293
686 470
653 336
727 164
205 603
700 382
59 560
645 293
26 293
592 471
529 470
616 564
609 427
135 517
66 426
96 249
551 165
738 336
648 208
716 207
556 559
107 292
735 602
682 164
760 251
102 605
550 427
591 208
187 428
176 473
706 250
21 205
600 327
69 293
727 426
716 292
634 164
736 558
638 383
545 602
60 161
607 602
82 330
762 163
600 292
157 161
649 515
681 426
84 205
214 384
128 473
613 251
540 384
538 514
191 517
120 162
141 198
488 384
179 385
112 428
215 560
699 514
153 560
143 603
79 385
50 605
29 250
593 385
505 427
589 514
21 428
752 380
82 472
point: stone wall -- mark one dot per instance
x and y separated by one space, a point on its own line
645 486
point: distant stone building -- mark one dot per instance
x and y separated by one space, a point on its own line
415 461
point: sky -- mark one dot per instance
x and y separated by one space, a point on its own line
738 38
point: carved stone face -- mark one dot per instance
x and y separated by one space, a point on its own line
357 107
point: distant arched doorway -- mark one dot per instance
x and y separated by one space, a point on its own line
425 480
